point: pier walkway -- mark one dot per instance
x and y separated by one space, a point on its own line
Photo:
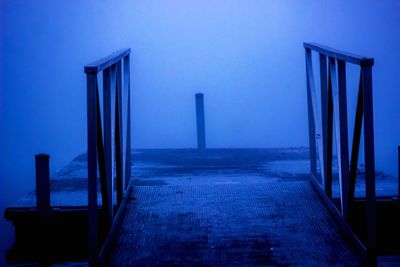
212 215
320 206
227 208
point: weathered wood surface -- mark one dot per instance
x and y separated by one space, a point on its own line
228 208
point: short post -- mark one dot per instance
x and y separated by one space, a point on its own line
201 134
42 183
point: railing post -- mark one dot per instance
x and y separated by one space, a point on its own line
92 166
119 135
311 121
329 154
369 163
200 121
42 184
342 133
108 97
127 86
326 129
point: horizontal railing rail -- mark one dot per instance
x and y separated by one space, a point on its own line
332 118
106 62
109 147
340 55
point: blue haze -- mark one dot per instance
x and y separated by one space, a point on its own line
245 56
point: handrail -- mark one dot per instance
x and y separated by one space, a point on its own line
106 62
332 118
337 54
108 135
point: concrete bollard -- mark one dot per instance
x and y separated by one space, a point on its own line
201 133
42 183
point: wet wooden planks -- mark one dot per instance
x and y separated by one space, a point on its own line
191 216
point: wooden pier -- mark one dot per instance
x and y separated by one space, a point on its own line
218 207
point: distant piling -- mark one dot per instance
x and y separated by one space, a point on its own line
42 183
201 132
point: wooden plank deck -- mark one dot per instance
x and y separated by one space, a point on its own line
255 202
228 208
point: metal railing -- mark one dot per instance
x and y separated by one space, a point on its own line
333 119
108 134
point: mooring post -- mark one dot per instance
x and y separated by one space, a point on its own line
201 133
42 183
